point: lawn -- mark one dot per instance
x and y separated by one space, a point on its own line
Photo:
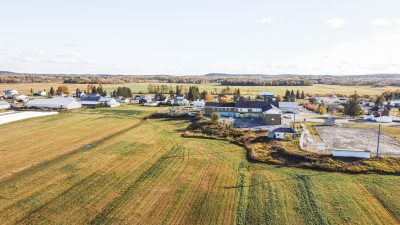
245 90
143 172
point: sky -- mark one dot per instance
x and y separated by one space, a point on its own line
338 37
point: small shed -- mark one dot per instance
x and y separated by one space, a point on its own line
279 133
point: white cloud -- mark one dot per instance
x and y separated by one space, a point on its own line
336 23
397 21
380 22
266 20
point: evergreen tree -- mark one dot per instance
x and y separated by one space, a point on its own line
303 96
353 108
51 92
94 90
287 96
298 94
379 101
193 93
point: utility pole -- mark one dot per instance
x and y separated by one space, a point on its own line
379 134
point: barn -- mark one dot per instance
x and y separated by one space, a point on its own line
54 103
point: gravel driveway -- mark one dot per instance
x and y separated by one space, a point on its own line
358 139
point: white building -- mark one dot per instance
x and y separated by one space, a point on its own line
22 98
94 100
4 105
351 153
395 102
9 94
199 104
289 107
380 119
54 103
39 93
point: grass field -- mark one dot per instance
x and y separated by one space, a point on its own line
143 172
245 90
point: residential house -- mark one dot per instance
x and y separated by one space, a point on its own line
21 98
39 93
268 96
54 103
123 100
377 111
395 103
199 104
93 100
9 94
281 132
289 107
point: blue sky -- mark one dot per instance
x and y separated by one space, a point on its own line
198 37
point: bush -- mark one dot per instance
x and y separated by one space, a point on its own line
215 117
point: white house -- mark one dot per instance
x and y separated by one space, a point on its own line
381 119
22 98
4 105
39 93
183 102
198 104
54 103
279 133
289 107
395 102
351 153
94 100
9 94
123 100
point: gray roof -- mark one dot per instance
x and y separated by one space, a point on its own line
51 101
219 104
254 104
285 130
288 104
93 97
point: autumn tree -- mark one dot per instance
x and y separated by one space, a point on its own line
62 90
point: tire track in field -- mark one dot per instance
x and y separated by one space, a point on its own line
191 197
123 197
388 209
149 201
68 197
310 209
63 156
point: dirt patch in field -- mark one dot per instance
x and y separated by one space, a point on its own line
358 138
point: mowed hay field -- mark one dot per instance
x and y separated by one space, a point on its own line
143 172
320 89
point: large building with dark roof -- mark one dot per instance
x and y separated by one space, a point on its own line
246 109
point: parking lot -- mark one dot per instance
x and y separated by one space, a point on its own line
358 139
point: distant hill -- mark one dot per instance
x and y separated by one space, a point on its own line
5 72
